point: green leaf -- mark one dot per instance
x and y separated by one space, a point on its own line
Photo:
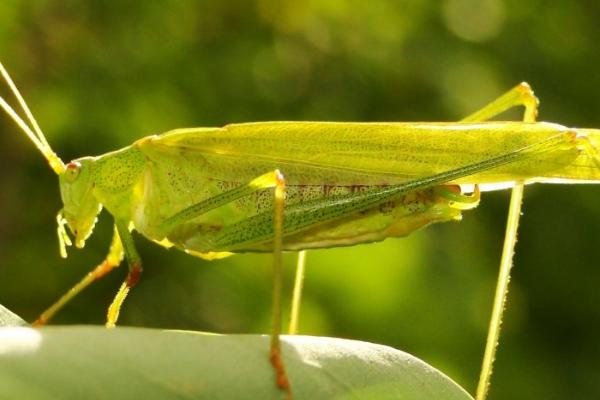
8 318
134 363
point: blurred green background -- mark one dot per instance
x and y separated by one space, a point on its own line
100 74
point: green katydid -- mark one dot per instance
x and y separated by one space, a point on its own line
291 186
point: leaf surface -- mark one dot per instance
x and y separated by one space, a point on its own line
86 362
8 318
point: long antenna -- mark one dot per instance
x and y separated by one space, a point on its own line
38 138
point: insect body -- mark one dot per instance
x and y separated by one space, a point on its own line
150 182
214 191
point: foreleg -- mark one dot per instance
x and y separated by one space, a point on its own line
112 260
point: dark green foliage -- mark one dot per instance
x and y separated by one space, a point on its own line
99 75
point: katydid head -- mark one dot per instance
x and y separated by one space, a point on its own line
81 208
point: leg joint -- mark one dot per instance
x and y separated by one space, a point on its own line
134 275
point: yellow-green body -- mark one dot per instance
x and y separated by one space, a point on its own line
159 176
274 186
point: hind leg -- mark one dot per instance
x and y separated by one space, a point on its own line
521 95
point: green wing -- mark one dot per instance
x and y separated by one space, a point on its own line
328 153
242 152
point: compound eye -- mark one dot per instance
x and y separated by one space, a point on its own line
72 171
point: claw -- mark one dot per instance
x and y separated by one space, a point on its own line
458 200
